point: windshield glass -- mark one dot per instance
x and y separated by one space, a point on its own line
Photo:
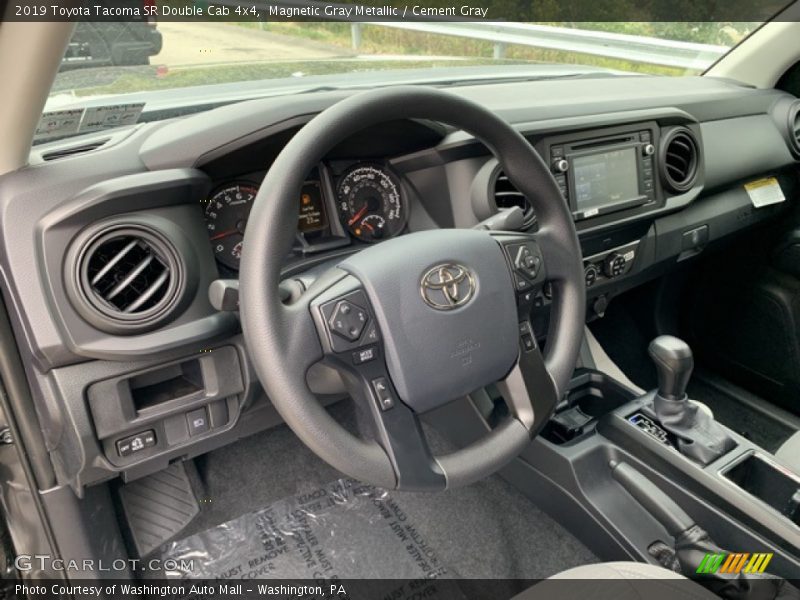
151 66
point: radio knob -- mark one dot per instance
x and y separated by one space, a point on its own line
648 149
614 265
560 165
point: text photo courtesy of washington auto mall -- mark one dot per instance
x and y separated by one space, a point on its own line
400 299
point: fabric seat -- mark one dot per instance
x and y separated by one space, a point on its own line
789 452
620 581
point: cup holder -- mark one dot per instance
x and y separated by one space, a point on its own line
591 395
769 482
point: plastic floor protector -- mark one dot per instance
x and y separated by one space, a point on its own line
344 530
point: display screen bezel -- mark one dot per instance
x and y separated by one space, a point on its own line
597 209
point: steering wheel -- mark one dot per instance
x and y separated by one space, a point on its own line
417 321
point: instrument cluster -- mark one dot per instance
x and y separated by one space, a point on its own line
363 201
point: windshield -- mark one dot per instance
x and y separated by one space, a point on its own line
123 69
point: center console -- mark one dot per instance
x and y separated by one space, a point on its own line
668 420
683 447
742 484
611 467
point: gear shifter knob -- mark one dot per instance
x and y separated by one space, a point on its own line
674 363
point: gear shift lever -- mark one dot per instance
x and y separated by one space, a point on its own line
699 436
674 363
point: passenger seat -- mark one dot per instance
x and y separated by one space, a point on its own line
789 452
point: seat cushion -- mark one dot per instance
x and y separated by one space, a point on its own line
617 581
789 452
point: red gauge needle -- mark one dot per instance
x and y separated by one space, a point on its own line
219 236
357 216
368 226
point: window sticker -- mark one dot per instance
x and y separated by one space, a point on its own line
62 123
58 123
105 117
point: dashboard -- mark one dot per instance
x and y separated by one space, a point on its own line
112 242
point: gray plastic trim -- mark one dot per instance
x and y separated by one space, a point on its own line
743 147
167 203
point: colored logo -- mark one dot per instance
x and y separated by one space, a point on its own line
735 562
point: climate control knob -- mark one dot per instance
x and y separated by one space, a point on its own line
614 265
560 165
590 274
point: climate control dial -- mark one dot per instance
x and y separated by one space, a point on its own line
590 275
614 265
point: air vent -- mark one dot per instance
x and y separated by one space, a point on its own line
129 278
67 151
506 195
794 127
679 159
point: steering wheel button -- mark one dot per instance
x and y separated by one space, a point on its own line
527 261
348 320
365 355
521 283
528 342
371 334
383 393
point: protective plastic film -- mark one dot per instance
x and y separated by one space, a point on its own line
344 530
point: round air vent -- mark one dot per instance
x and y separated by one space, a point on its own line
506 195
679 159
128 278
794 127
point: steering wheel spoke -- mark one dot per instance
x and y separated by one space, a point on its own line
352 344
547 256
394 426
529 390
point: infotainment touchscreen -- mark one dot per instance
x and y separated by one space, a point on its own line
605 179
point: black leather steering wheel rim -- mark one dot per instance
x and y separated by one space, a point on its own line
283 342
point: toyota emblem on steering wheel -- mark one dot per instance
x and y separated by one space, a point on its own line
447 286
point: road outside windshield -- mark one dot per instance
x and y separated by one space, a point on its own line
136 60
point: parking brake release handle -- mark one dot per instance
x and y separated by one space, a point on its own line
671 516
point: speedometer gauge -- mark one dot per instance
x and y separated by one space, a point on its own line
370 204
226 216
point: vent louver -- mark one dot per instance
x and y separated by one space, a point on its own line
679 160
129 276
506 195
73 150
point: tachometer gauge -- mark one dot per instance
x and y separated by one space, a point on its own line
370 204
226 217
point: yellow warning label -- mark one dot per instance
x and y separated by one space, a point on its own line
764 192
759 183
